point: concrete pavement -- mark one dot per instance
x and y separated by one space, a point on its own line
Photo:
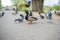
39 30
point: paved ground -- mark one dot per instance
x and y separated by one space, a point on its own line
39 30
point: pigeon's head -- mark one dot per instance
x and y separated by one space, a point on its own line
39 12
29 2
27 12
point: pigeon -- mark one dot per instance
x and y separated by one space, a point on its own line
20 19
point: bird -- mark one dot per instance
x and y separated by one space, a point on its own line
29 17
41 16
30 13
2 13
48 14
20 19
27 14
28 4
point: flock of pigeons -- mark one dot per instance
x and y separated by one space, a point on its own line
28 17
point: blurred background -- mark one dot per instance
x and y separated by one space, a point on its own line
47 4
